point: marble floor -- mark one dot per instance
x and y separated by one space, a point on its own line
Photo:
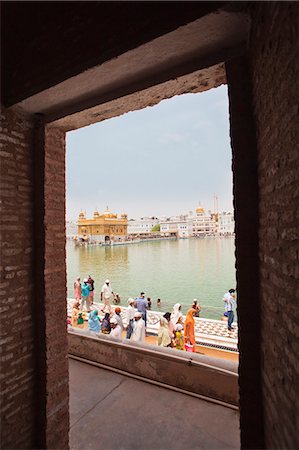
113 411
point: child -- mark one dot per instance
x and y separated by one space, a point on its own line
159 303
80 320
179 340
106 326
116 299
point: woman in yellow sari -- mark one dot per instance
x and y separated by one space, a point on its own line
189 328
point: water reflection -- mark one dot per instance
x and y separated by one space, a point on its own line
174 270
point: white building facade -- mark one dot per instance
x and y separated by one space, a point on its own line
226 224
180 227
203 224
144 225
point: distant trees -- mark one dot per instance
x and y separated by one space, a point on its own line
156 228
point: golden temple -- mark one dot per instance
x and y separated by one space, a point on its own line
102 227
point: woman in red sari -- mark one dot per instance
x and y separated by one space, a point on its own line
189 337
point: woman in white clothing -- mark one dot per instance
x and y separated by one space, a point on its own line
164 339
176 314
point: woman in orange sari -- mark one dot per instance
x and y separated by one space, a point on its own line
189 337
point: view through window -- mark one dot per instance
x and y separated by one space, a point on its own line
149 208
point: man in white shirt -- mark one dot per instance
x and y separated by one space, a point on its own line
115 329
225 297
138 334
117 316
130 318
230 303
106 295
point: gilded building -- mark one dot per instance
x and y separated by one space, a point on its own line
103 227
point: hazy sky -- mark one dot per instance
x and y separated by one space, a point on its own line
162 160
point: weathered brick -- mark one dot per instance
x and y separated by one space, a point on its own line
15 235
18 346
274 68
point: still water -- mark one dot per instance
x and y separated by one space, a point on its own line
176 271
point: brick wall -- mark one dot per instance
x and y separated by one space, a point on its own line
34 367
245 178
57 389
274 67
17 324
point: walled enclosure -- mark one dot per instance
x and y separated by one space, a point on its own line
34 391
274 66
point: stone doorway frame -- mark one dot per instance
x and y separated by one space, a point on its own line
144 89
51 228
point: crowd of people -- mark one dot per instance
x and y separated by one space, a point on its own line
84 293
173 330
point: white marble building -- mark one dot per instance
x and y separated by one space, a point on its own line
177 226
144 225
203 224
226 224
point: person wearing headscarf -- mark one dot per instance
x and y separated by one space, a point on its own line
164 339
138 334
106 295
77 289
106 327
90 282
176 314
115 329
189 337
179 340
85 288
196 307
75 314
117 316
94 322
80 321
167 316
130 318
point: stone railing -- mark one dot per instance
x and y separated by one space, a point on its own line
209 378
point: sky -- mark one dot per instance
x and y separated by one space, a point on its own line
159 161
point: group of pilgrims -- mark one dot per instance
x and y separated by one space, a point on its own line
173 330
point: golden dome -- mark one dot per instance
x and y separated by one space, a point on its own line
96 214
109 215
200 210
81 215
